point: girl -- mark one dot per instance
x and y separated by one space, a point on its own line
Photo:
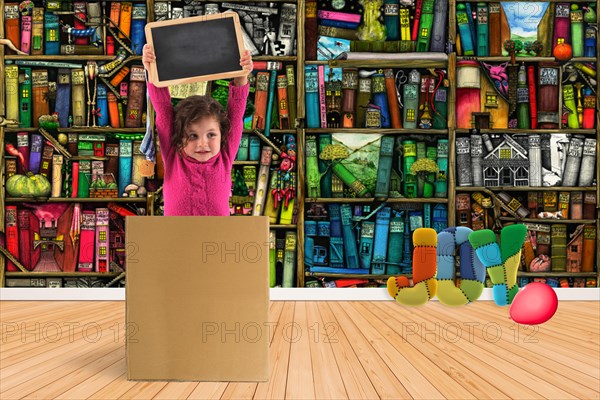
198 143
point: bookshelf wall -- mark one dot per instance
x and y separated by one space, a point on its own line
303 276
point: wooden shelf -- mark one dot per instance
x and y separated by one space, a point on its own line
384 131
274 131
531 1
524 59
373 199
379 63
317 62
246 162
519 273
277 226
62 274
529 131
81 58
274 58
558 274
75 200
550 221
356 276
526 188
82 129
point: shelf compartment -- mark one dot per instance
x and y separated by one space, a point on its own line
373 199
550 221
64 57
62 274
279 226
529 131
246 162
83 129
524 59
76 200
527 188
374 63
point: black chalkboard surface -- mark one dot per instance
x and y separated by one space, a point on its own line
196 49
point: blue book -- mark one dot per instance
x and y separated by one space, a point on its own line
382 227
324 140
440 218
384 169
395 243
311 77
339 24
254 147
138 33
102 102
242 153
340 270
427 215
310 230
125 157
336 240
270 99
52 34
406 263
35 153
329 48
63 97
462 20
350 248
483 48
471 22
366 243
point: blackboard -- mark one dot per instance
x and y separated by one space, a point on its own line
196 49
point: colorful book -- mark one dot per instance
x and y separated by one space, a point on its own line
270 100
12 236
25 94
85 262
28 257
282 102
135 97
57 167
589 248
425 25
366 243
102 259
384 168
35 152
291 94
125 19
12 29
11 81
289 259
125 160
336 240
37 31
313 182
138 22
260 100
263 180
85 171
78 97
350 249
382 227
324 170
562 22
559 247
26 22
46 162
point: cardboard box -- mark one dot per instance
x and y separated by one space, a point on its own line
197 298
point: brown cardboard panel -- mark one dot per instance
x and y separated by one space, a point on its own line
197 298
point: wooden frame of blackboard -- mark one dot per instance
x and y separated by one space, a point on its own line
166 79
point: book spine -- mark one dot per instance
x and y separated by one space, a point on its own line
263 180
477 159
589 248
410 156
23 148
391 20
125 19
322 105
46 162
404 16
547 107
12 29
10 166
102 102
115 12
282 102
85 172
535 160
349 180
440 102
588 161
339 24
12 236
25 98
441 180
463 161
272 258
414 33
395 245
312 96
113 110
291 94
574 155
242 153
523 114
338 16
482 30
35 153
272 208
362 100
311 33
138 22
559 247
550 201
26 22
57 165
111 165
79 9
37 31
589 49
532 95
254 148
564 200
324 170
40 92
576 205
78 97
462 21
125 156
439 221
425 24
410 112
562 31
286 215
11 73
135 97
289 260
85 262
380 99
25 238
270 100
382 227
384 169
366 244
102 241
463 210
439 28
349 88
589 110
137 160
63 96
330 31
336 240
313 181
260 100
350 248
392 99
589 205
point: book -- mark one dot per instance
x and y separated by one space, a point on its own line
463 209
289 260
125 164
547 95
336 240
37 31
324 170
57 166
562 31
263 180
384 169
589 248
462 21
382 227
363 98
136 163
135 97
46 161
463 161
85 171
477 159
569 105
85 262
380 100
273 258
138 22
559 247
313 183
310 25
589 205
10 166
439 221
439 27
28 257
26 22
78 97
260 100
535 160
12 29
270 100
576 205
291 94
564 201
35 153
410 92
425 25
495 44
391 20
350 249
11 82
440 111
12 236
322 105
79 22
441 180
588 161
113 110
125 19
282 102
366 244
25 97
102 260
349 88
571 172
395 244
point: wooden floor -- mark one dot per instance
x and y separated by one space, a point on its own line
346 350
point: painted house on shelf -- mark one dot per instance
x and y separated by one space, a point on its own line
506 165
575 250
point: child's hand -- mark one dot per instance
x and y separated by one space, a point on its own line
148 56
246 63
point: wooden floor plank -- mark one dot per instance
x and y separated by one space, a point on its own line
383 379
208 391
176 390
88 387
300 384
115 390
239 390
356 381
279 355
143 390
328 383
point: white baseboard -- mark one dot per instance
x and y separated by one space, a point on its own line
303 294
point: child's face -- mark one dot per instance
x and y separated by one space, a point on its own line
203 139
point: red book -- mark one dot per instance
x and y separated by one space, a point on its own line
23 147
28 225
80 12
75 179
12 236
102 240
415 28
12 31
311 34
562 24
532 95
86 241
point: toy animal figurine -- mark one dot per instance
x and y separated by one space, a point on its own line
499 76
371 29
550 215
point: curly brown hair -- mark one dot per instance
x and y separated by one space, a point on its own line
192 109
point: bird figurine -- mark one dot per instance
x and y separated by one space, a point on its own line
49 122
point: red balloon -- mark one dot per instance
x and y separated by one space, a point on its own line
535 304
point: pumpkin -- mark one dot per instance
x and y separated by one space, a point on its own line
563 52
28 185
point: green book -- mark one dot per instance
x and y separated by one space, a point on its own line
289 259
25 97
425 24
313 178
85 170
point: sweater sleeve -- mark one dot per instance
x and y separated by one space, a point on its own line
236 106
161 101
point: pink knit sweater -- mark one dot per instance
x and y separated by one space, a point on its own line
193 187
